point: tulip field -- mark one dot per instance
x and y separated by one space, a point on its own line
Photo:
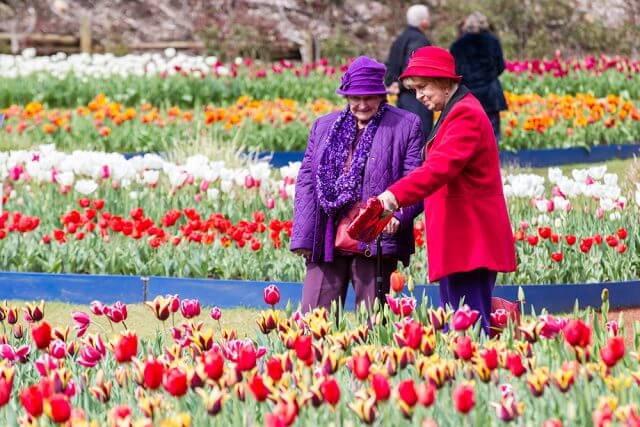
409 366
193 203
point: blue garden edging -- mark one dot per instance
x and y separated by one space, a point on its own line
82 289
525 158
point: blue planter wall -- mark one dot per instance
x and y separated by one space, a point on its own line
82 289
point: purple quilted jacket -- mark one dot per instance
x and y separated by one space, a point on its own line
396 150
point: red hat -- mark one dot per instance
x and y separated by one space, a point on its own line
431 61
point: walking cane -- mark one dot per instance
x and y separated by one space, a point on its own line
379 292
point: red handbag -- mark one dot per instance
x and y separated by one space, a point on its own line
344 242
370 221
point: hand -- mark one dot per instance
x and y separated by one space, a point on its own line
393 89
392 227
305 253
389 202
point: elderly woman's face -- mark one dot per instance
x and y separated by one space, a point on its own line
432 95
364 107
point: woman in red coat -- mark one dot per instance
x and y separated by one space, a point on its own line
469 236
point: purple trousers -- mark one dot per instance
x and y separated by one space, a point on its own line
326 282
475 286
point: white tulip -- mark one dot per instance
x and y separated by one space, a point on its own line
85 186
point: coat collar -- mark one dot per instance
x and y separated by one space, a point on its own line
460 93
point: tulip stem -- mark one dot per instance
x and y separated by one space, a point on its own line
125 326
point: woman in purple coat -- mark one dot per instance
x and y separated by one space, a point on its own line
352 155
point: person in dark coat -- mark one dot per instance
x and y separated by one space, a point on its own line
412 38
479 60
352 155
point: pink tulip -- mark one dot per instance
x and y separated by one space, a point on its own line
106 173
271 203
97 308
190 308
464 318
401 306
82 321
116 312
216 313
58 349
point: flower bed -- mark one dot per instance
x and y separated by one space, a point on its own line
305 369
532 122
187 81
98 213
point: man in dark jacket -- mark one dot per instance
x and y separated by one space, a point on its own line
412 38
479 61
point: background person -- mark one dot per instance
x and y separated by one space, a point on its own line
479 60
412 38
353 155
469 235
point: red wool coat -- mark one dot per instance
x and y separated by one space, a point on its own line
466 220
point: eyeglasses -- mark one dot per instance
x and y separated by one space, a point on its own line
356 100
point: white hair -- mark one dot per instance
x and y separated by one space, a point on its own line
416 14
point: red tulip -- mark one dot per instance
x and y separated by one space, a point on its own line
152 373
360 365
6 384
464 347
397 281
330 391
552 422
577 333
557 256
533 240
84 202
514 364
190 308
411 334
271 295
490 357
407 392
613 351
544 232
464 397
247 357
303 347
621 248
41 335
175 382
426 394
464 318
258 388
214 364
274 369
622 233
174 303
126 347
58 408
98 204
31 399
381 387
570 239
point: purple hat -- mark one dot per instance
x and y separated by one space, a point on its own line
365 76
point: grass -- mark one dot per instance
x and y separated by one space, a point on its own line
141 319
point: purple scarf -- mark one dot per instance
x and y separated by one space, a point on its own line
336 189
